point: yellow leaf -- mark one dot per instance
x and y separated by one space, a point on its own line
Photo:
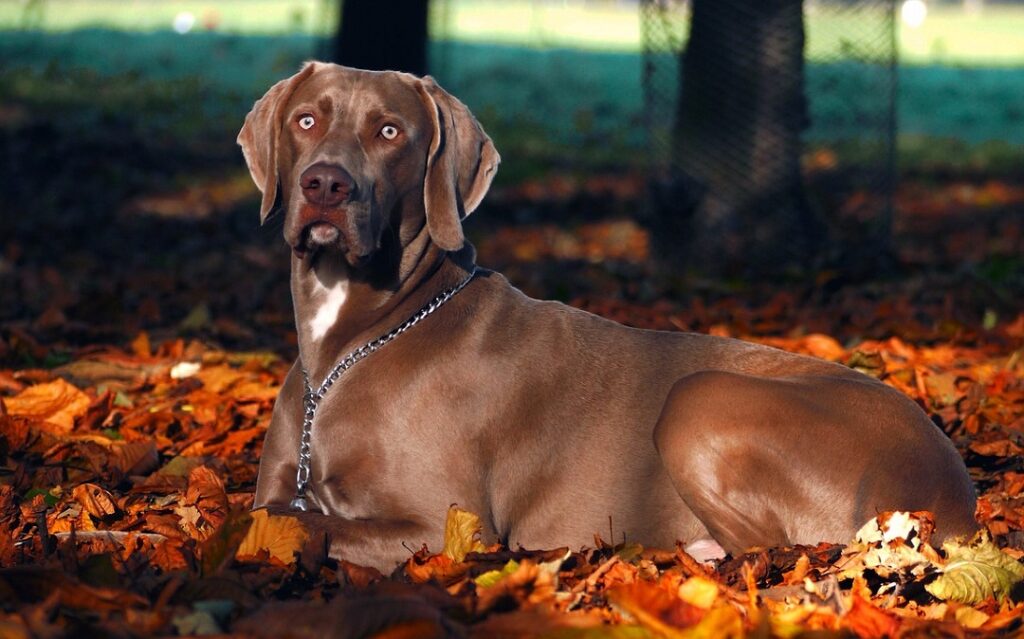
970 618
461 534
699 592
57 402
492 577
721 622
279 535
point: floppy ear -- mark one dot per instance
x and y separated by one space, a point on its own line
259 136
461 163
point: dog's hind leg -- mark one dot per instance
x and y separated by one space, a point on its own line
746 454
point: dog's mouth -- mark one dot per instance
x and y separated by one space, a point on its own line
320 236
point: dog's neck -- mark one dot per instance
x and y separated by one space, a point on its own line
339 308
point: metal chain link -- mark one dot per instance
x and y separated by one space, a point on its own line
311 398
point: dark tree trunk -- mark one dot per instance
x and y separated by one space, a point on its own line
740 206
383 35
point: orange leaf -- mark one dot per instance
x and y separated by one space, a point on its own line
422 567
141 346
279 535
205 494
866 620
95 500
655 607
998 448
57 402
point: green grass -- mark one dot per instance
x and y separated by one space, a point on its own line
948 36
232 16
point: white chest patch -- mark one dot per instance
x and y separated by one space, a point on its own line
330 301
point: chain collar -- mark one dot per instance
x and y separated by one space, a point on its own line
311 399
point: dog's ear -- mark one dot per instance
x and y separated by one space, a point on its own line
259 136
461 163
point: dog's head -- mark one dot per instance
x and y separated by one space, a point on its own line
346 153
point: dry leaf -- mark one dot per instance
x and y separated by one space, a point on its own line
461 534
699 591
279 535
526 586
976 571
865 619
97 502
656 607
57 402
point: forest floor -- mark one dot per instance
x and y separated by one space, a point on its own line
141 350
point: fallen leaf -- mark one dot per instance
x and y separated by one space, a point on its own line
279 535
141 346
97 502
656 607
225 542
461 534
867 620
976 571
57 402
699 591
528 585
970 618
492 577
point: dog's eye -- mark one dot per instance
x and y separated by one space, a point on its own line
389 132
306 122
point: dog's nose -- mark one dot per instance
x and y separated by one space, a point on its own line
326 184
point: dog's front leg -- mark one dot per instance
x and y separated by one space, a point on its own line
378 543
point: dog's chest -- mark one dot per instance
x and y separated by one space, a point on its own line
373 449
323 305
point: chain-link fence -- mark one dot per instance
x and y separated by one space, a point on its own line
849 82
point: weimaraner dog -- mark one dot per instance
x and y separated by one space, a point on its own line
543 419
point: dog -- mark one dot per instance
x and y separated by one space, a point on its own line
543 419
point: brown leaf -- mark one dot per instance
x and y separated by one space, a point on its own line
95 500
57 403
223 544
358 576
206 494
31 583
135 458
89 372
528 586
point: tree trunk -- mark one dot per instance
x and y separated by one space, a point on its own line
742 207
380 35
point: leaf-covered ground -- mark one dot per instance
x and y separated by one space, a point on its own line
138 369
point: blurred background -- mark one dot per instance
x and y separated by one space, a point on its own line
852 166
